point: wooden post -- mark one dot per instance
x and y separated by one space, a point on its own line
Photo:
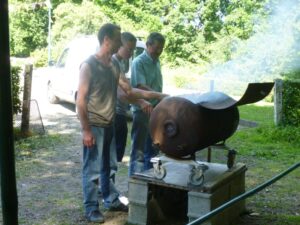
278 101
26 99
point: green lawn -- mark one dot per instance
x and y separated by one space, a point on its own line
268 150
266 140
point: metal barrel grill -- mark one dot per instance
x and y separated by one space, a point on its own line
180 127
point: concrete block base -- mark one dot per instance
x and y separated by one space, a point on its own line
153 201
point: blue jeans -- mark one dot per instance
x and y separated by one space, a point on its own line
96 163
121 131
142 150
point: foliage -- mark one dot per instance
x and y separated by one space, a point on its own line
16 89
71 20
291 103
28 28
241 17
192 27
180 81
292 76
195 30
40 57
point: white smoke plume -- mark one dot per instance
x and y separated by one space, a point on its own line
269 53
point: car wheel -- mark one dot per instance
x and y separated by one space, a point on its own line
51 96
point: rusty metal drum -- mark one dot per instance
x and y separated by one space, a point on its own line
179 127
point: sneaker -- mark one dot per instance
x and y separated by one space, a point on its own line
95 216
120 207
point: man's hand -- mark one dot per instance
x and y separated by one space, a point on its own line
163 96
146 106
88 138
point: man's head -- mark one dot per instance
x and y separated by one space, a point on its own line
128 45
109 36
155 44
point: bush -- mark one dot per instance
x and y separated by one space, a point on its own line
16 89
291 103
40 57
28 29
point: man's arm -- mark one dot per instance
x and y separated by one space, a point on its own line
145 105
137 93
81 104
144 87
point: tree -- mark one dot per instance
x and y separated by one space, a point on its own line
28 28
195 30
71 20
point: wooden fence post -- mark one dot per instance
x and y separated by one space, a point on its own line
278 101
26 99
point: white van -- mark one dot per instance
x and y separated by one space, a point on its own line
64 75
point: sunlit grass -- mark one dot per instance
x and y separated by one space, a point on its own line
266 140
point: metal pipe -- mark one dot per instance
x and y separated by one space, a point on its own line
49 6
204 218
7 161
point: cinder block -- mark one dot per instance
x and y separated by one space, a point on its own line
230 185
137 214
138 192
237 187
220 186
198 204
202 203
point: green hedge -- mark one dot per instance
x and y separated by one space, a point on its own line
16 89
291 103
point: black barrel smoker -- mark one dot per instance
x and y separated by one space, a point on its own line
179 127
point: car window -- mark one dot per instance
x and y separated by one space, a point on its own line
62 60
138 51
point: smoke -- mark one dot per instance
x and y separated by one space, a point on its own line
271 51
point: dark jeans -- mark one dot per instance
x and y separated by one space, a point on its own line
142 150
121 131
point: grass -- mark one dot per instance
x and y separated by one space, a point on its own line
268 150
266 141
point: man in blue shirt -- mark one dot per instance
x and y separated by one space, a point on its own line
146 75
138 97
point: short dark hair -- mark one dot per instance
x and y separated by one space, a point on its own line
155 37
127 37
107 29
